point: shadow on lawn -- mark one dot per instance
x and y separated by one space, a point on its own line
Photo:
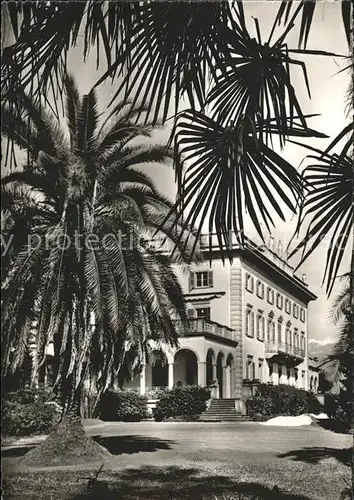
316 454
117 445
16 451
169 483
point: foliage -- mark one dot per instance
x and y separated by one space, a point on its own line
185 402
271 400
28 411
126 406
208 55
92 214
328 208
339 408
156 392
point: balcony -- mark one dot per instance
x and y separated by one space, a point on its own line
202 327
285 353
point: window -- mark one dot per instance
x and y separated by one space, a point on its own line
296 338
191 313
302 341
204 279
249 283
260 326
287 306
250 368
280 329
288 334
302 315
200 279
271 328
279 301
249 322
260 289
288 374
295 311
203 313
270 295
260 369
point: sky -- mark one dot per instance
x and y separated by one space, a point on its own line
328 89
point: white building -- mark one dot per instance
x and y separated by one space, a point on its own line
248 324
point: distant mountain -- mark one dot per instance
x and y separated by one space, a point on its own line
320 348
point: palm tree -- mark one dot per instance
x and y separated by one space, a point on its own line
338 364
83 268
164 52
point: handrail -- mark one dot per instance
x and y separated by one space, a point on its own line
286 348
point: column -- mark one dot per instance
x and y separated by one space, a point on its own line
202 373
223 381
170 375
215 375
142 380
228 382
275 374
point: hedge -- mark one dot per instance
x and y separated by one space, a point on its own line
184 402
28 412
271 400
123 406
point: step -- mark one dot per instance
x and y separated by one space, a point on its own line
223 410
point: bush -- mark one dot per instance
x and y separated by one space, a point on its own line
122 406
339 408
271 400
28 411
187 402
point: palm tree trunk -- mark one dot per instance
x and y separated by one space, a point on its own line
67 443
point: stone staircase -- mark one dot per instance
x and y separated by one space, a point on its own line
222 410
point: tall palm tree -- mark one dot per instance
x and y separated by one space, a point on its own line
86 272
205 53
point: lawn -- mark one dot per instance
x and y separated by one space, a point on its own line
197 461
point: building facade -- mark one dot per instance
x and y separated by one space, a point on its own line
248 324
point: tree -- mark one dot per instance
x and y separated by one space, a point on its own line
83 269
238 88
338 365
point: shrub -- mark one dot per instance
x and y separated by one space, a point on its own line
339 409
272 400
122 406
28 411
187 402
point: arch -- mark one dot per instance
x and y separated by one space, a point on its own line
210 363
185 367
311 382
229 376
219 373
159 368
230 360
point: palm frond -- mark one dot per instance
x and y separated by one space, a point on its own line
223 173
307 10
171 52
328 206
87 123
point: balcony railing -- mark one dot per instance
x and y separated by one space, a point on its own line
279 261
197 327
284 348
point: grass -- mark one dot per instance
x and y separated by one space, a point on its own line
197 461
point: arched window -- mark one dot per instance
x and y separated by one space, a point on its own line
271 327
280 329
288 334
